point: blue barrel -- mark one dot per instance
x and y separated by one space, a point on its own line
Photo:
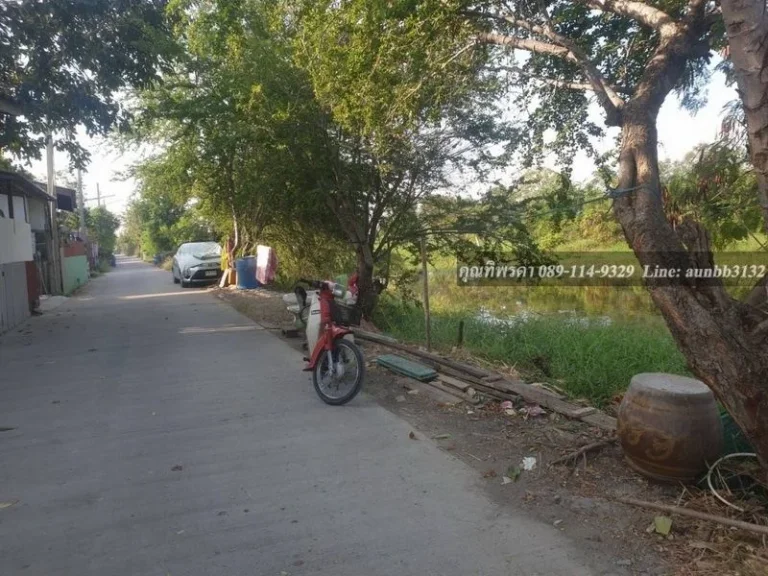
246 273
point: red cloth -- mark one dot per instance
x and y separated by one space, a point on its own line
352 284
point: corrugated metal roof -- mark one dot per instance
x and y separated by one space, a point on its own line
25 185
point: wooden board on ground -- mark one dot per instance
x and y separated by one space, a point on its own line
463 396
406 367
454 382
544 388
486 382
601 421
387 341
531 394
436 394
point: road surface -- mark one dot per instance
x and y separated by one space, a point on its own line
158 432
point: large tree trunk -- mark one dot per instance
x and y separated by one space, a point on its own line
367 296
746 23
716 333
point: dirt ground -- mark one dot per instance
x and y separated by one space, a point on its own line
578 498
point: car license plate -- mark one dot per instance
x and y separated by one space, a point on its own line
210 272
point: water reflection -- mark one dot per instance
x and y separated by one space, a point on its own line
505 304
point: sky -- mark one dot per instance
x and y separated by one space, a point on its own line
679 132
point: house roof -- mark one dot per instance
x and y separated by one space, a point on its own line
66 198
22 185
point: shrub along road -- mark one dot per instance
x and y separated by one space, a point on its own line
158 431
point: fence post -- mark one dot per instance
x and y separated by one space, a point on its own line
426 293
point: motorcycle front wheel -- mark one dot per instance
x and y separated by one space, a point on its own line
338 374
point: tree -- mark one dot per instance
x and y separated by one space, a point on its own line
628 55
398 118
242 132
102 227
747 28
129 241
62 63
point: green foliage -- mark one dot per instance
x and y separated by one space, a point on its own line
102 227
365 61
618 47
404 117
61 64
239 124
714 186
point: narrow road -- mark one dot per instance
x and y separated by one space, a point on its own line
158 432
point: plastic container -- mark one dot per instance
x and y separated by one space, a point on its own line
246 273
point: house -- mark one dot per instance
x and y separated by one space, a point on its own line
75 258
29 240
24 217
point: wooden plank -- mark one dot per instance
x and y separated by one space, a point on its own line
386 341
501 389
454 382
478 384
586 411
453 391
538 396
527 392
601 421
406 367
548 390
436 394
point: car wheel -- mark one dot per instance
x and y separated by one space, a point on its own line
175 279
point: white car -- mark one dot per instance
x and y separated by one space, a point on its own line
197 263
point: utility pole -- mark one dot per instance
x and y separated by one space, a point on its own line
55 255
81 206
98 196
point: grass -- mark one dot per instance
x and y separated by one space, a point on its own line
589 360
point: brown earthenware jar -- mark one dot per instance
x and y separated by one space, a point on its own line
669 427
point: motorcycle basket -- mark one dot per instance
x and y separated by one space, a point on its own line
345 315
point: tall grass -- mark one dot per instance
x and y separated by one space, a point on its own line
586 359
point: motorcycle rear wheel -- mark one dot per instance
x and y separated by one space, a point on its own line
325 378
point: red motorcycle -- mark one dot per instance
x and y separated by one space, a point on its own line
336 362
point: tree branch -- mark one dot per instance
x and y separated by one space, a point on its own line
581 86
609 99
528 44
643 13
565 49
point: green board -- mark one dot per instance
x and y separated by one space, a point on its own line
406 367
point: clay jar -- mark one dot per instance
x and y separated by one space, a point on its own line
669 427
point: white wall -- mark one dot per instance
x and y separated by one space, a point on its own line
16 241
20 208
36 214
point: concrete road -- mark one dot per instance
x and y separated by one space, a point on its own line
158 432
